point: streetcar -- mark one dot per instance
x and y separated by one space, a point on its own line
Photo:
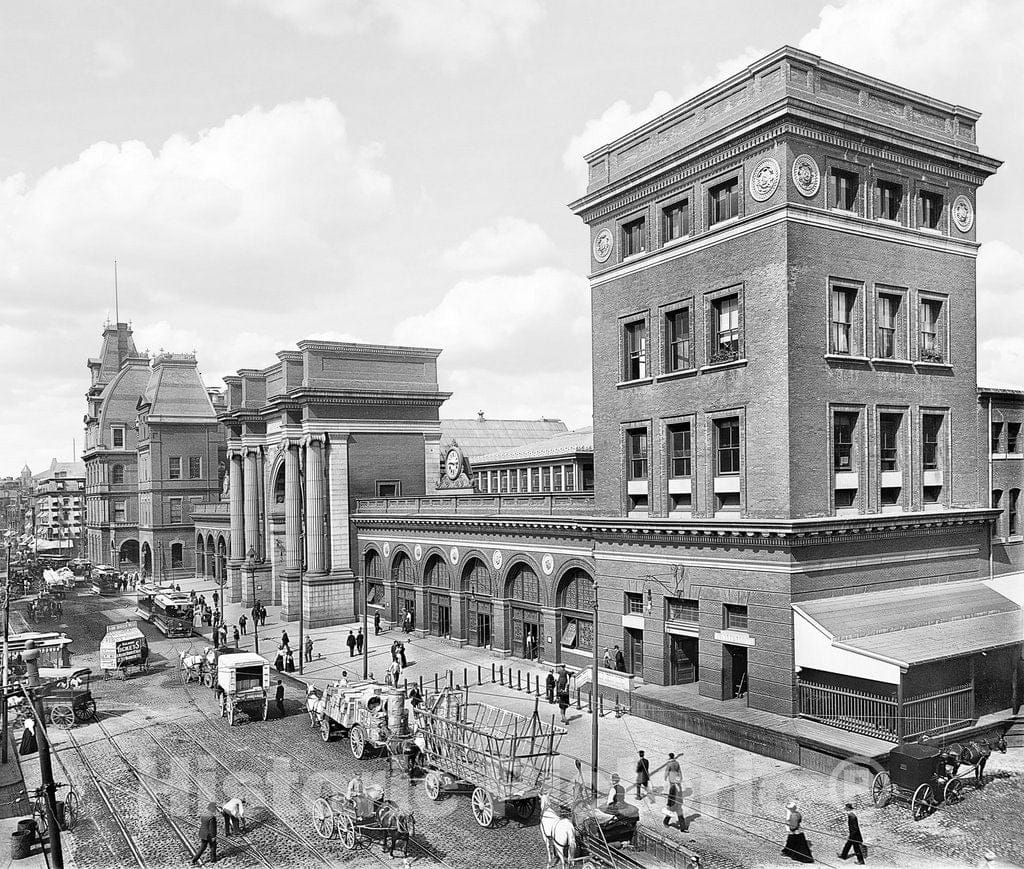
105 580
145 598
172 613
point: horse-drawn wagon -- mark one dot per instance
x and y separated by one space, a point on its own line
67 698
374 717
363 816
504 757
124 646
242 680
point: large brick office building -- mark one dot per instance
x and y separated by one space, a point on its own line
791 503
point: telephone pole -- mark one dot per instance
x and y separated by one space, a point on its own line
31 659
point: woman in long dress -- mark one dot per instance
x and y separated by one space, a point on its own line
674 802
797 847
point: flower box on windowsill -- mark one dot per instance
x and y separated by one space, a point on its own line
722 357
722 366
933 356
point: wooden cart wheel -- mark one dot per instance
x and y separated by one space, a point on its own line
223 705
881 790
71 809
432 785
483 807
921 803
953 792
323 819
325 729
86 711
523 809
63 716
207 678
347 832
357 742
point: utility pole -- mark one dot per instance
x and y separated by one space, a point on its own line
31 659
594 704
4 720
366 636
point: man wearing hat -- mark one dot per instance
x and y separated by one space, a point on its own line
616 794
854 840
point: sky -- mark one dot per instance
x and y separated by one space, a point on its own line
265 171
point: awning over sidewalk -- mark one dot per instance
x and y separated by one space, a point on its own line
879 634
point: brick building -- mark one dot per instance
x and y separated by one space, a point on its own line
563 462
786 423
57 507
1001 415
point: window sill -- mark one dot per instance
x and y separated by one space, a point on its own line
633 256
888 222
674 242
1016 538
721 366
945 366
725 222
847 357
930 231
676 375
846 212
896 363
1007 456
642 381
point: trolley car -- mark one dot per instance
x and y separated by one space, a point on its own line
105 580
171 611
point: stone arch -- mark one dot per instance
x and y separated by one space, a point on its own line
564 569
468 570
373 563
211 558
399 557
128 553
437 572
222 555
200 555
430 552
516 563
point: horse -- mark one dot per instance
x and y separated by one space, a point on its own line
190 665
395 827
559 834
314 705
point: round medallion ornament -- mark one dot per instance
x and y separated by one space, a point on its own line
417 552
386 549
806 175
497 559
764 180
547 564
963 213
453 554
603 244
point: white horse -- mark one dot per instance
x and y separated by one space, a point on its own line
189 665
314 704
559 834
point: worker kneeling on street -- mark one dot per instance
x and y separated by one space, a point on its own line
233 812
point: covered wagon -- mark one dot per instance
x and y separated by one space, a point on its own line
123 647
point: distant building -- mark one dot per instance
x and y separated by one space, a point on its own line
1001 439
563 462
58 502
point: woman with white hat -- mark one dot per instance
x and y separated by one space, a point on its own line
797 847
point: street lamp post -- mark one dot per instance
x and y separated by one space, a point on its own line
594 696
250 565
302 620
366 635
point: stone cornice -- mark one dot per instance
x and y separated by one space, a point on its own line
297 399
355 350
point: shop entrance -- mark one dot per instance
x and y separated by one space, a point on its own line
734 671
683 660
478 622
527 639
406 603
440 615
633 650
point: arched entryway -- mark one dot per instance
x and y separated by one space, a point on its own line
128 555
438 581
200 555
211 559
477 602
525 621
575 617
403 575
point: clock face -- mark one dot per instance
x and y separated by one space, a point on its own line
453 464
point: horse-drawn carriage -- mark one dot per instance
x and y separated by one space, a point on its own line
67 698
374 717
46 608
504 757
123 647
925 776
360 817
242 680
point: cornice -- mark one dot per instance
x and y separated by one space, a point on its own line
355 349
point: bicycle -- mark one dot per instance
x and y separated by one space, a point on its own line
67 809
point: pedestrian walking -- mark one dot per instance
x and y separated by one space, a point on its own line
620 661
395 670
643 775
284 638
309 649
237 636
407 622
279 660
529 645
289 660
233 812
242 623
255 612
674 805
672 769
207 834
263 616
549 685
562 693
401 656
279 697
376 624
797 848
216 600
606 661
854 839
350 641
360 639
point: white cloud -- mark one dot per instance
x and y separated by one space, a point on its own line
508 244
112 59
454 30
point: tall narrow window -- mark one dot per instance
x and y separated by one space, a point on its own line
637 446
997 437
997 504
117 475
635 351
844 189
634 237
842 318
723 201
1014 514
931 427
887 314
174 468
726 340
195 467
680 445
890 200
677 340
117 437
843 425
174 511
888 448
931 209
727 446
675 220
931 345
177 555
1013 437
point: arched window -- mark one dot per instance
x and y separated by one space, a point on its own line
199 543
576 602
177 555
476 578
576 591
402 570
437 574
523 584
117 474
373 565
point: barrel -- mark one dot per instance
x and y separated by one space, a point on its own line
28 825
21 844
398 718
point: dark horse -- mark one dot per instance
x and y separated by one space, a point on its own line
394 827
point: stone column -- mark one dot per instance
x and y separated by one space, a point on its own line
337 468
237 537
251 518
315 562
292 532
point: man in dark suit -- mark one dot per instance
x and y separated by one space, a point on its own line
855 840
279 698
207 834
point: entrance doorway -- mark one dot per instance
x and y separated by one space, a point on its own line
734 671
440 615
406 603
527 639
683 658
633 650
483 629
478 622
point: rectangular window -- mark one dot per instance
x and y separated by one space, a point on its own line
680 450
890 200
997 504
633 237
556 478
535 475
1014 505
636 444
1013 437
570 478
888 449
843 426
635 351
545 477
931 428
842 319
888 308
683 610
195 467
931 345
735 617
513 481
844 189
675 220
726 323
723 201
120 511
677 340
727 446
389 488
524 480
177 555
997 437
174 468
117 437
503 482
634 603
931 209
174 511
